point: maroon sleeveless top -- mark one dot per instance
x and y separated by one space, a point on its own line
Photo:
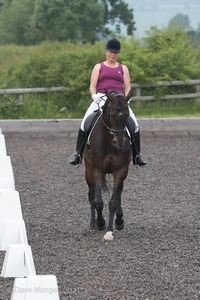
110 79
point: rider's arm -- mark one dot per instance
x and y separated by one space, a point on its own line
127 80
94 79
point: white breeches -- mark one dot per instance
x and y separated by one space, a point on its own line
93 107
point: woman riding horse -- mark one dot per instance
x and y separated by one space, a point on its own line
112 76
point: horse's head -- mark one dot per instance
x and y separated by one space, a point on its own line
115 116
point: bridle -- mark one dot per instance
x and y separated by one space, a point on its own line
113 131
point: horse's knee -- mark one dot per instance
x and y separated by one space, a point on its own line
91 195
98 206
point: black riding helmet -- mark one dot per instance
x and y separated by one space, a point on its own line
113 45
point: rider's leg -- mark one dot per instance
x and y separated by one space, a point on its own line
138 158
76 158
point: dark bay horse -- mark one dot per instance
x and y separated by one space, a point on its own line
108 152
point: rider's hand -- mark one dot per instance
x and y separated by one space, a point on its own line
96 98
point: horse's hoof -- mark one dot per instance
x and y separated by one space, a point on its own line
119 226
101 225
101 228
108 236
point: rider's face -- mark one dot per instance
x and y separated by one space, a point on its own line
111 55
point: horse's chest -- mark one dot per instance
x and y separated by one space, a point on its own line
111 162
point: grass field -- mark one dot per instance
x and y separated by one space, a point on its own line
55 106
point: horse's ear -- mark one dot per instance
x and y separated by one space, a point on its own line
107 92
109 95
130 94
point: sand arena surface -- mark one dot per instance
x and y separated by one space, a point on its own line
155 257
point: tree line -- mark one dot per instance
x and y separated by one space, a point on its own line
183 21
29 22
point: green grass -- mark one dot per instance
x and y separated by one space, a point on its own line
166 108
56 106
32 106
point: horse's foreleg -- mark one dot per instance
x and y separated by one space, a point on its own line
114 204
99 208
91 191
119 221
91 194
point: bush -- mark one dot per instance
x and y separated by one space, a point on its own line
162 55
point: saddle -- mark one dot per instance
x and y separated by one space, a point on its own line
90 124
92 120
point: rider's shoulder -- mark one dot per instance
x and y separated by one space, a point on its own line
125 68
97 66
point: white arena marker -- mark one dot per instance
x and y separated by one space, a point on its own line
6 184
19 289
14 233
10 209
38 287
2 146
6 170
18 261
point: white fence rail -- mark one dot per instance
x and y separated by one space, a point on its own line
138 89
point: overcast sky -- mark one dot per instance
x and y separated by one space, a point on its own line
159 12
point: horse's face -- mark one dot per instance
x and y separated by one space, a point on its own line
116 114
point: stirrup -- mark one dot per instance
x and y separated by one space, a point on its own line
75 159
140 160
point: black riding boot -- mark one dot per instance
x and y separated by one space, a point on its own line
138 158
76 158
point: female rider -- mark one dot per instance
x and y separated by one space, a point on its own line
115 77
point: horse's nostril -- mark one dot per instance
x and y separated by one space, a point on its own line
116 145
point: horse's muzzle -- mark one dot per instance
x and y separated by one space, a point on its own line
119 141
